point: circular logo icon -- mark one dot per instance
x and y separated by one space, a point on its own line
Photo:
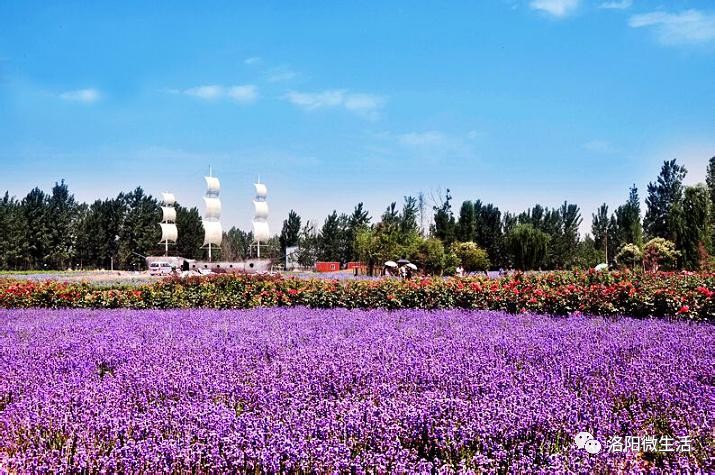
592 446
581 439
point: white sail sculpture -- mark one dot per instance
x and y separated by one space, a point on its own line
260 221
213 233
169 233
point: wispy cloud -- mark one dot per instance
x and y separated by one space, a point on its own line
281 74
687 27
557 8
421 139
244 94
600 146
252 60
617 5
86 96
365 105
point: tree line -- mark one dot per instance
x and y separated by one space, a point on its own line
54 231
677 230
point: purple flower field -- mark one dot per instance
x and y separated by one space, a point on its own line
291 390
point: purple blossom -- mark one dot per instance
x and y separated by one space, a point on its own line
339 390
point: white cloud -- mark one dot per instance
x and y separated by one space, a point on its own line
365 105
690 26
557 8
87 96
617 5
205 92
599 146
252 60
244 93
421 139
281 74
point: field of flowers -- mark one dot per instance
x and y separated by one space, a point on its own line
684 295
298 389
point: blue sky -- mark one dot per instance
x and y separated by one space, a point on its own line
509 101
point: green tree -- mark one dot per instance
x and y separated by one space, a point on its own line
358 220
429 256
628 219
236 245
444 227
330 239
528 246
660 254
190 232
587 254
13 232
489 232
599 228
308 245
36 217
696 234
472 257
139 235
662 217
408 217
629 255
566 237
60 230
290 231
466 225
710 181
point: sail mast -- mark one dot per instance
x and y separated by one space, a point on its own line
168 221
213 232
260 221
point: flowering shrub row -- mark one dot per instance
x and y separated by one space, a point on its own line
662 294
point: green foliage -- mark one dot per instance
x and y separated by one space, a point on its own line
489 232
308 245
429 256
235 245
139 234
471 257
528 247
630 255
660 254
661 219
444 227
466 225
697 208
290 233
587 255
191 233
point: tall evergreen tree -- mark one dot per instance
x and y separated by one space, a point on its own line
358 220
696 206
710 181
290 231
663 217
190 233
489 232
60 230
444 223
628 219
408 217
566 238
466 225
330 238
139 235
36 216
599 228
